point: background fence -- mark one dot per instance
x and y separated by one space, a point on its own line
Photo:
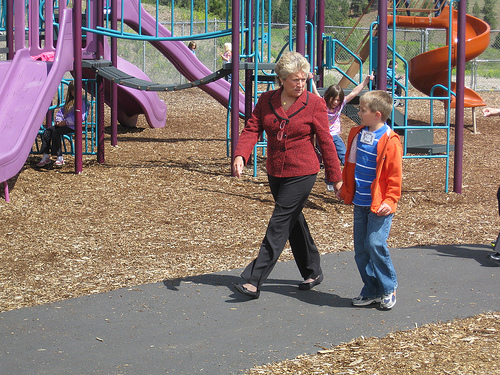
482 73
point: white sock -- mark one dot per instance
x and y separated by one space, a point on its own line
45 157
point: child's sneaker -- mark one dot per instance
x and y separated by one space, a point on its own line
495 257
364 301
59 162
43 162
388 301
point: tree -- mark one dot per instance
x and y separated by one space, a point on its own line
218 8
489 13
281 11
356 8
336 12
476 10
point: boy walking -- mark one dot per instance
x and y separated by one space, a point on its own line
372 183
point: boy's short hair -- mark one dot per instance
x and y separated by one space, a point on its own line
378 101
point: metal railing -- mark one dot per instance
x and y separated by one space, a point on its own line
480 75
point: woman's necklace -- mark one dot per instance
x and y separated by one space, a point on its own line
285 101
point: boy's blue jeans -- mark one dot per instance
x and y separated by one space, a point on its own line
372 254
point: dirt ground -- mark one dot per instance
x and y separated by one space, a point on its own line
164 206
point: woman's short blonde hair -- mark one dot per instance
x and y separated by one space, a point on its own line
290 63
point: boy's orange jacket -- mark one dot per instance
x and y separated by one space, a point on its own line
386 187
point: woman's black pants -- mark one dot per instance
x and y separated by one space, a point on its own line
287 223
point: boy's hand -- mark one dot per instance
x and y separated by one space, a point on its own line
384 210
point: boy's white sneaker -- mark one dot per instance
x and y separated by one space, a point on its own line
364 301
388 301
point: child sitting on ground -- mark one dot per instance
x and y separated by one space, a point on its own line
64 123
372 183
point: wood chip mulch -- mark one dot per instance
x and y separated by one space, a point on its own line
164 206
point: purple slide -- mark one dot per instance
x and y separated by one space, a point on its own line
132 102
27 88
154 108
177 53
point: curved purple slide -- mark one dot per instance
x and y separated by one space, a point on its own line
27 88
132 102
177 53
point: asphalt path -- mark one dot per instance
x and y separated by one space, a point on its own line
199 325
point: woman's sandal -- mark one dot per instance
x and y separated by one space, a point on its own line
311 284
243 290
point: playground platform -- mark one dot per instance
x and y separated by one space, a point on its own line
198 325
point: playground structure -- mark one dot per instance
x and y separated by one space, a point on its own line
83 50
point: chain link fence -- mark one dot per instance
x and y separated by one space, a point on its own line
158 68
482 73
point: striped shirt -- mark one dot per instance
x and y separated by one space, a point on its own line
366 164
334 118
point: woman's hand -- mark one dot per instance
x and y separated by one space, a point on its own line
337 186
61 123
238 165
338 194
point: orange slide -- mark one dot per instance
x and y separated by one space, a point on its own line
431 68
